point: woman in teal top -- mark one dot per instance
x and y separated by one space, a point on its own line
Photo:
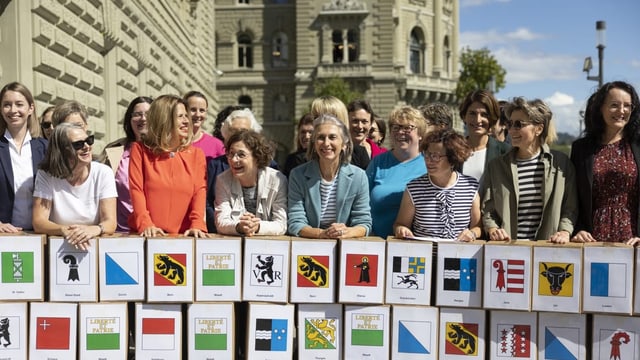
389 173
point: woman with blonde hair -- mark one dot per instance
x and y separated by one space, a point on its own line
530 192
167 176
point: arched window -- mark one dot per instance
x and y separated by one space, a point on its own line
415 52
245 51
279 50
245 101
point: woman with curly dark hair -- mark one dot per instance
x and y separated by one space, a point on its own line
443 203
251 197
607 162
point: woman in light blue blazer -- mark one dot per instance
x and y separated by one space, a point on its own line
328 197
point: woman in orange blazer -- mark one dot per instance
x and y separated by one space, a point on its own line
167 176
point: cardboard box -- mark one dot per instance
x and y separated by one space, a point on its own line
211 329
562 336
52 331
13 330
409 272
507 275
414 332
22 262
121 263
513 335
219 269
170 270
73 273
320 331
367 330
557 277
158 331
460 274
313 271
104 331
362 263
615 337
266 269
462 333
608 278
271 331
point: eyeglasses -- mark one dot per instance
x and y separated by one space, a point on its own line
241 155
46 125
404 128
78 145
139 114
615 107
517 125
432 156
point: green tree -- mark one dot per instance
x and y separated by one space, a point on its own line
478 70
336 86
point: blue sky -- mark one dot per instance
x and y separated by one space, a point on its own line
542 45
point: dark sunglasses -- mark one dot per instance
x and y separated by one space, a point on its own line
517 124
46 125
78 145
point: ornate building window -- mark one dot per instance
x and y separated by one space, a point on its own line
245 101
345 46
245 51
416 52
446 62
243 1
279 50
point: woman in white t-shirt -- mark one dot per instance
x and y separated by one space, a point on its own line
73 197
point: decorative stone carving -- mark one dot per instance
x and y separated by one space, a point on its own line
342 5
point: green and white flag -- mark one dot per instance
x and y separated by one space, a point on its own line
367 329
103 333
211 334
17 267
218 269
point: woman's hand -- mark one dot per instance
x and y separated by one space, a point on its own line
197 233
583 237
8 228
498 234
467 235
248 225
561 237
152 231
337 231
633 241
402 232
79 235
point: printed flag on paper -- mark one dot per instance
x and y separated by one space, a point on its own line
10 339
408 272
320 333
414 337
17 267
461 339
313 271
169 269
271 334
121 268
218 269
561 343
361 270
367 329
267 270
158 334
460 274
555 279
73 268
52 333
103 333
211 334
508 275
608 280
617 344
514 341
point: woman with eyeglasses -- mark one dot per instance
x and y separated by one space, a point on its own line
251 197
480 111
74 197
167 176
45 122
607 161
389 173
118 154
443 203
21 150
329 197
530 192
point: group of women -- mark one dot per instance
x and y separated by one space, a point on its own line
340 182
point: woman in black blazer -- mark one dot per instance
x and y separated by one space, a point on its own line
607 163
19 129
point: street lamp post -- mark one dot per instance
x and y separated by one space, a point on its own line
601 26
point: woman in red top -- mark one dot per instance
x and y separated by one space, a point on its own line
167 176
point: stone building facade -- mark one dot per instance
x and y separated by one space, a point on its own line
104 53
271 52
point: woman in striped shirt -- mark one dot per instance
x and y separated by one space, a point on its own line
443 203
530 191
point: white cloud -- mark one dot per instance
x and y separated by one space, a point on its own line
477 40
635 63
560 99
567 118
524 67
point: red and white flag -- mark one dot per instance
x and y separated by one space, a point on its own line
158 334
52 333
